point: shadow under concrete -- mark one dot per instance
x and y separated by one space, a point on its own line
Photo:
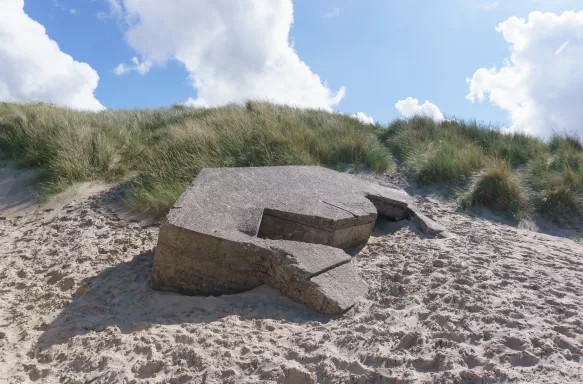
120 296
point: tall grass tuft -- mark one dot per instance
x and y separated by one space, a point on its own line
564 141
496 188
442 161
557 178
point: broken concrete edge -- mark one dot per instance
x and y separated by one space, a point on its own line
341 288
333 290
425 224
400 210
230 267
299 256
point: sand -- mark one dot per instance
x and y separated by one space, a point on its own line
493 303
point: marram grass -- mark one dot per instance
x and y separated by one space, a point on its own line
166 148
162 150
498 189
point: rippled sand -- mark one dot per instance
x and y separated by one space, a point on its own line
493 303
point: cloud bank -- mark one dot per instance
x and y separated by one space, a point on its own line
410 107
233 51
33 68
541 84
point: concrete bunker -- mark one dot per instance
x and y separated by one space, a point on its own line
234 229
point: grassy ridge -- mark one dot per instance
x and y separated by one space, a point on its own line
511 172
164 149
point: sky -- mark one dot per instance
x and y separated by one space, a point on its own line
517 64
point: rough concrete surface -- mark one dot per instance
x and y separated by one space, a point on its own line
237 228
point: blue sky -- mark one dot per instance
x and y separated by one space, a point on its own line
380 51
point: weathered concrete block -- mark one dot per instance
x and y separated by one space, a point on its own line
237 228
276 228
351 234
334 291
425 224
199 264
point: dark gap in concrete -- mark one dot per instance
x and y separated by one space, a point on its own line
329 268
385 207
386 225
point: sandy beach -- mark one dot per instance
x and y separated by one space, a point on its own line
492 303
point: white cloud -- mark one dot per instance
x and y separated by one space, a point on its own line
120 69
363 118
115 10
195 103
334 12
540 85
142 67
233 51
410 107
33 68
492 5
63 7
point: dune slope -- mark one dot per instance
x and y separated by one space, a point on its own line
491 303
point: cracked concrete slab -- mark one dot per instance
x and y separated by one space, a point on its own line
236 228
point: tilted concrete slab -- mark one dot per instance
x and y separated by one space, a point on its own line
237 228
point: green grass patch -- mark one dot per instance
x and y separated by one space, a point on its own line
164 149
452 152
498 189
438 162
167 147
556 178
411 138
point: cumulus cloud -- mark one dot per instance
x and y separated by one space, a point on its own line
363 118
142 67
233 51
334 12
33 68
541 84
410 107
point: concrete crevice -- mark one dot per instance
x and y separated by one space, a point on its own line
344 209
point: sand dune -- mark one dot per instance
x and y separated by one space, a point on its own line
492 303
